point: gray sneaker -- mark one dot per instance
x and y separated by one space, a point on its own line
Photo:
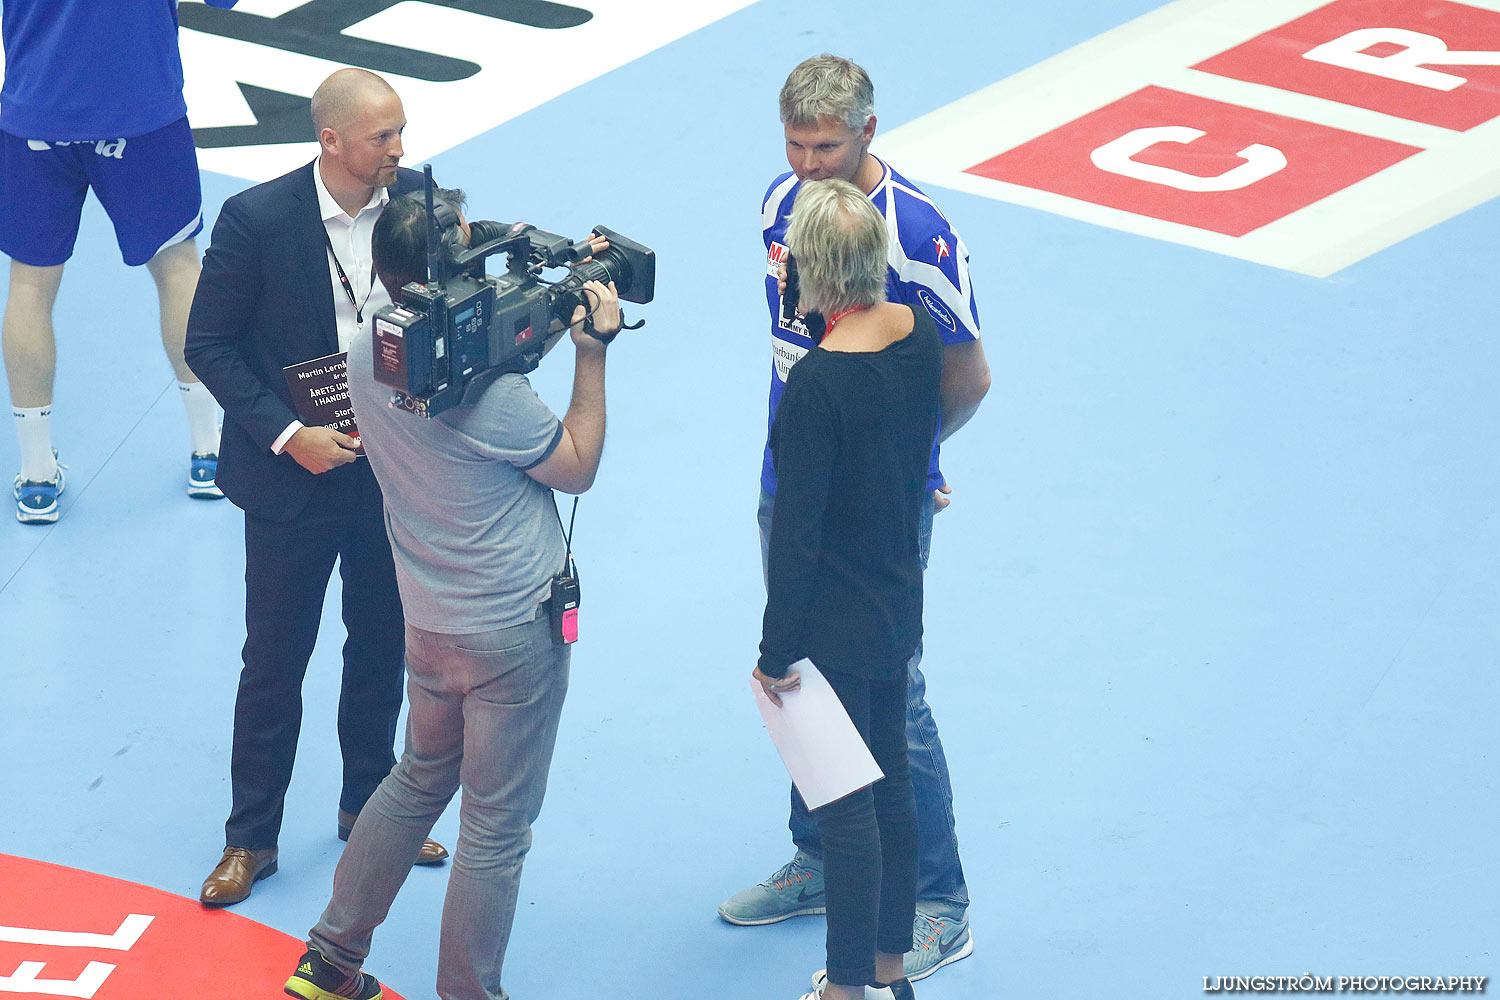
936 940
795 889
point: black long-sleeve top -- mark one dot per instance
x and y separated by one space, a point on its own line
851 443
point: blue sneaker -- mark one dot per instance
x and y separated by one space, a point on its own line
36 501
936 940
795 889
202 470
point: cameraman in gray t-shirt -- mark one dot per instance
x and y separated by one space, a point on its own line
477 541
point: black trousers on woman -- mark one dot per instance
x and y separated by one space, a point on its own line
870 837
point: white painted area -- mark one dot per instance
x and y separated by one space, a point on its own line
1306 107
1261 161
522 68
27 979
1409 65
1456 171
123 938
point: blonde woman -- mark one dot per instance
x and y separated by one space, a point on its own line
851 443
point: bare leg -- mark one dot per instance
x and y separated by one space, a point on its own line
888 967
175 269
30 348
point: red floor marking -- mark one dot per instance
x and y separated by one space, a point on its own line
65 932
1320 161
1277 59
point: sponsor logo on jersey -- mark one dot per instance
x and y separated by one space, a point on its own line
796 326
775 258
941 245
787 354
939 312
1301 134
113 148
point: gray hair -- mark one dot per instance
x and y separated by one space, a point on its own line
840 241
827 86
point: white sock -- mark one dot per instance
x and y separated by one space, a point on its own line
203 417
34 429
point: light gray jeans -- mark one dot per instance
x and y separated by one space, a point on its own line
483 715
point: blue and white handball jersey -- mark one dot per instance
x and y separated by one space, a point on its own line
79 70
927 268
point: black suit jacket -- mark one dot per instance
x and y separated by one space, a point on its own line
264 301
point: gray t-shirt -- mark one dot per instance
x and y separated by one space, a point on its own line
476 540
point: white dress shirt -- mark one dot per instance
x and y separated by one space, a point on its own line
350 239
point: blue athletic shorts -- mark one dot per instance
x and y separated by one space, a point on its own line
147 184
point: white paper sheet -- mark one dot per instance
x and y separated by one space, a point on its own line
819 745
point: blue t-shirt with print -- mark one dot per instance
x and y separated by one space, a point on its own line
927 268
79 70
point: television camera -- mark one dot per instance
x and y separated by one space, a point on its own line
462 323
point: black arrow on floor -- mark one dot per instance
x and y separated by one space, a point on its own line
279 118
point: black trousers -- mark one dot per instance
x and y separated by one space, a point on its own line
870 838
287 568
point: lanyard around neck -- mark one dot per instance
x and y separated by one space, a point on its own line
359 307
841 314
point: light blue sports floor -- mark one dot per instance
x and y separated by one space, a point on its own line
1212 621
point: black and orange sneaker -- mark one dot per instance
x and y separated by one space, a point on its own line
318 979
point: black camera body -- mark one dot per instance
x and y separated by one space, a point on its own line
451 330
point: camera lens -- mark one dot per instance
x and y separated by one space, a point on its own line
608 266
566 295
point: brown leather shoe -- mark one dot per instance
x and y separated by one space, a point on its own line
238 870
432 853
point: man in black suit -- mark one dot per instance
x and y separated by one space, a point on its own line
288 279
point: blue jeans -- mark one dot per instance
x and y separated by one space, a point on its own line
940 875
484 711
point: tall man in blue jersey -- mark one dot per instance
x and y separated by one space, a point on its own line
92 99
828 110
